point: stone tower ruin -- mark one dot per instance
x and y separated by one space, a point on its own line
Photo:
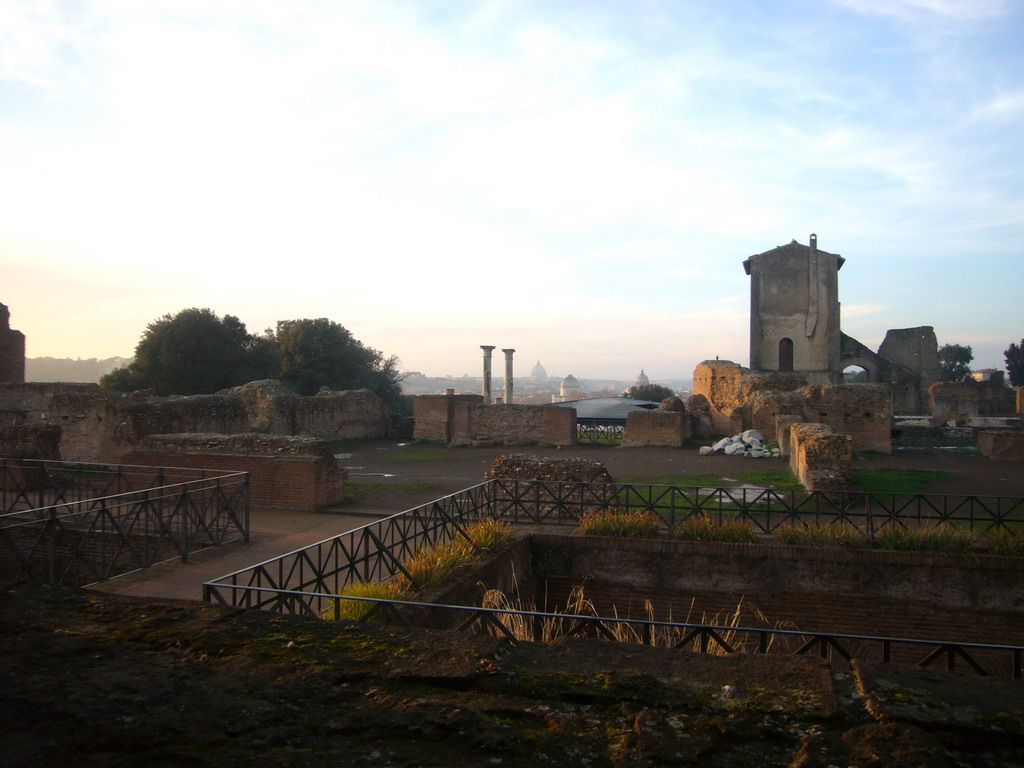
794 311
12 350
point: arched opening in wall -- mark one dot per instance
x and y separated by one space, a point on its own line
785 354
855 374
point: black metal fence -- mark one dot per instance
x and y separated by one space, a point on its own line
77 524
308 581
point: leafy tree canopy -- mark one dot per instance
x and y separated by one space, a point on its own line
321 353
653 392
193 352
1015 363
196 352
955 361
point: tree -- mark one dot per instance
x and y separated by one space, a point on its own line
955 361
194 352
1015 363
653 392
321 353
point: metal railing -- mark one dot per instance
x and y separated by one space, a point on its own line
308 581
539 501
77 524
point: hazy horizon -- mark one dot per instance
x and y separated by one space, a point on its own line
578 181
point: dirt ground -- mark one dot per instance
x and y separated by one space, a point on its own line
90 679
446 470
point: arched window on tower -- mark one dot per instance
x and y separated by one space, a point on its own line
786 355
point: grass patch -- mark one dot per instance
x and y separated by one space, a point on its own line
777 477
339 444
706 528
926 538
355 610
636 524
1006 542
823 536
428 566
887 480
359 491
713 481
424 452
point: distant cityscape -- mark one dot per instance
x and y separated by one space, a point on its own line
534 387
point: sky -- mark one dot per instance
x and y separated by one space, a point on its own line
580 181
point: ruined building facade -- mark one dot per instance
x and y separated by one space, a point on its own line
12 350
795 329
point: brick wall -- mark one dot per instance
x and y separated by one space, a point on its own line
968 598
465 420
285 473
30 442
656 427
1001 444
819 457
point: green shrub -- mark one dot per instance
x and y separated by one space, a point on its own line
706 528
397 589
930 538
836 535
636 524
1005 541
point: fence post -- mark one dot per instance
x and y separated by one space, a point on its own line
51 527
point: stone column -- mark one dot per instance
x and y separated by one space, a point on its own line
508 375
486 392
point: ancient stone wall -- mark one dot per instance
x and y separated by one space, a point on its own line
286 474
819 457
719 382
465 420
961 401
38 442
513 425
274 409
741 401
1001 444
102 425
434 414
657 427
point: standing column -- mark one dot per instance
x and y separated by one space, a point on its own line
487 373
508 375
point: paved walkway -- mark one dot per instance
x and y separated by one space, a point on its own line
404 478
272 534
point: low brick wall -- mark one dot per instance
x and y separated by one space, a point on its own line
970 598
285 473
657 427
465 420
1001 444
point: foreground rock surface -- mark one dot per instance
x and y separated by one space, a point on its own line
92 679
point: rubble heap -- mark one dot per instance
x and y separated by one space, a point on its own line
749 443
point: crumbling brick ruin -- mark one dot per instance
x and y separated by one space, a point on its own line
819 457
795 328
286 473
465 420
101 425
741 400
960 401
12 350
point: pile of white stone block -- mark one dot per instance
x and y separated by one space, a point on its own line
750 443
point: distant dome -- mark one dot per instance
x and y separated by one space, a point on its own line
570 386
538 372
642 380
